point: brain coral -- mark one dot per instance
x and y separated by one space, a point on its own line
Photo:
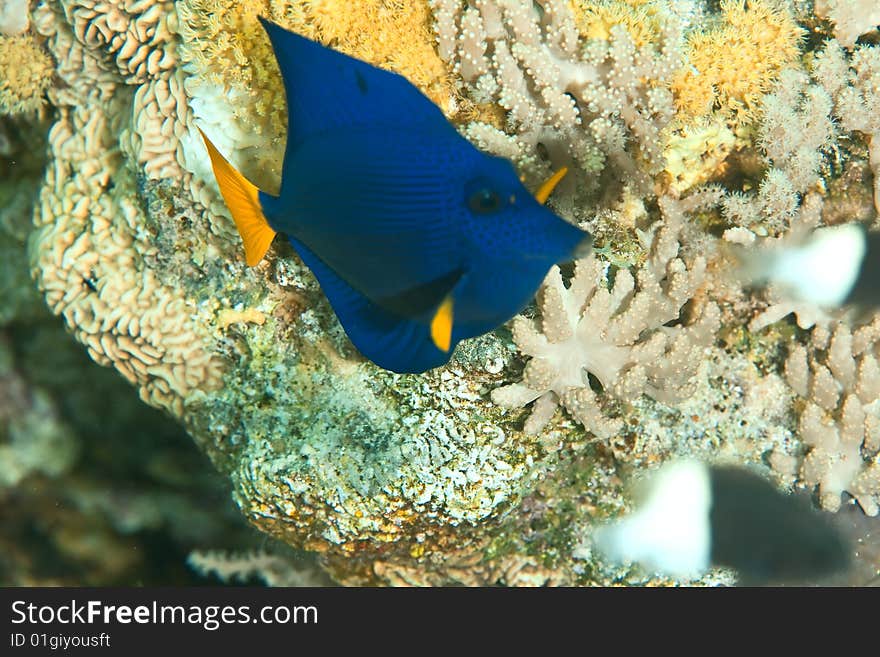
91 251
419 479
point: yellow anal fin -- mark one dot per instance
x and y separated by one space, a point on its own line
244 204
441 325
547 188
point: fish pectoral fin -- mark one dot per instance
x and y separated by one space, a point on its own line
242 199
549 185
441 324
431 300
392 341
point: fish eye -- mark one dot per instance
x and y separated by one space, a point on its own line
484 201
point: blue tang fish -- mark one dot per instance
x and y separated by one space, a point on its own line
418 239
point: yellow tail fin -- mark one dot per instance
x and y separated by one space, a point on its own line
547 188
244 204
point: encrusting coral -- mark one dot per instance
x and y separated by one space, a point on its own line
81 506
415 479
132 34
90 247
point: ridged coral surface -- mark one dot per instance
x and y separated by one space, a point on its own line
443 477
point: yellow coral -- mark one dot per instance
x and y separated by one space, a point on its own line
224 42
393 34
696 153
26 75
735 62
595 19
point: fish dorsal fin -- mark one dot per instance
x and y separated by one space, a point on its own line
329 91
549 185
389 340
242 199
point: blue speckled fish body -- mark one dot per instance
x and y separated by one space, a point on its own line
418 239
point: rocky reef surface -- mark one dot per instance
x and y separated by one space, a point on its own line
96 488
686 125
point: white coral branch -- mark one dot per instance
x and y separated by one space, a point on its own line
840 379
617 334
607 100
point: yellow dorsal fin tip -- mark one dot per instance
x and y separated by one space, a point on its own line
547 188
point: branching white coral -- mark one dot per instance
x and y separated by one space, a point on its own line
839 376
618 334
854 84
851 18
609 98
801 120
795 128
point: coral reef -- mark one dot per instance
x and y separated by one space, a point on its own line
27 74
585 105
851 18
734 62
91 248
838 375
854 83
617 334
682 123
795 132
78 504
387 462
